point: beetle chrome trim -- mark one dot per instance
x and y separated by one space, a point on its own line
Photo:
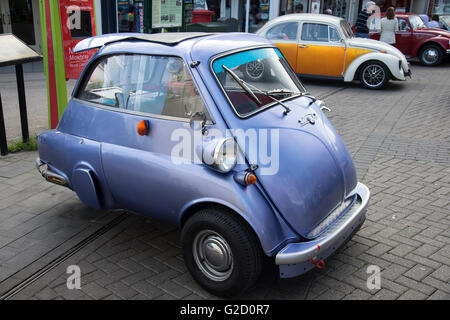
294 253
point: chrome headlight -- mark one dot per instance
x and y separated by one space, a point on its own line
221 155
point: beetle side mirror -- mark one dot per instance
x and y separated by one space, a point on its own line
198 121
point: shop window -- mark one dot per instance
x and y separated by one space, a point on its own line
441 7
293 6
259 14
130 15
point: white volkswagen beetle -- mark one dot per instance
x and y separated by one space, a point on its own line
318 45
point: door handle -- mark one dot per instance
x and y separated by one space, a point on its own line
302 46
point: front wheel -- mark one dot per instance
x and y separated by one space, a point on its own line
221 252
431 55
374 75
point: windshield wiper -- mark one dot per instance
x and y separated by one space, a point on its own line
242 83
279 92
246 86
267 94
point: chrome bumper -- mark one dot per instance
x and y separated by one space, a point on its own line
50 175
299 252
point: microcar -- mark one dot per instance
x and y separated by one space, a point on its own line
324 46
167 125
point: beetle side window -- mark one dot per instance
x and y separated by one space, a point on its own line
334 35
285 31
315 32
156 85
402 25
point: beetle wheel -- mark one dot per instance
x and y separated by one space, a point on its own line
374 75
431 55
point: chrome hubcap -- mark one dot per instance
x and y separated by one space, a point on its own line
255 69
213 255
430 55
373 75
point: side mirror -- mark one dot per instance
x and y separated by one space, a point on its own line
198 121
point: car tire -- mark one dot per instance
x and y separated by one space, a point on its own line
221 252
255 71
431 55
374 75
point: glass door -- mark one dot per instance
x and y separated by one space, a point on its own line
5 17
21 18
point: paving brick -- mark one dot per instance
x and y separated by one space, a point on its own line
443 273
385 294
415 285
174 289
95 291
402 250
439 295
147 289
357 295
418 272
121 290
412 295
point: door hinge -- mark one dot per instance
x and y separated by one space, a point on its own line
193 64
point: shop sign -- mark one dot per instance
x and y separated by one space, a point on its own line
77 23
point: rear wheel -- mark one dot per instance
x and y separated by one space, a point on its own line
221 252
374 75
431 55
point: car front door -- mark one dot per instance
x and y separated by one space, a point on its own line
404 37
285 36
320 50
142 106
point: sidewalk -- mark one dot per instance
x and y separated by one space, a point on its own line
36 99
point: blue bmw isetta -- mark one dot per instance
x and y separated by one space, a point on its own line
175 127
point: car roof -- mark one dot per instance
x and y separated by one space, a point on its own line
306 17
170 38
299 17
192 46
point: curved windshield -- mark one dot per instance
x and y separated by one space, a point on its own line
256 79
416 22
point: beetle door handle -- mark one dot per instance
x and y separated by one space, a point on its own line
302 46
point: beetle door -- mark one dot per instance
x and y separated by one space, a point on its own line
144 169
320 50
404 37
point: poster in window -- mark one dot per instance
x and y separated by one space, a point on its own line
315 6
167 13
77 23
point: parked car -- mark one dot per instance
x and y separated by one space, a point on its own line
416 40
318 45
165 125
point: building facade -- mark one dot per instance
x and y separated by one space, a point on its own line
21 17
